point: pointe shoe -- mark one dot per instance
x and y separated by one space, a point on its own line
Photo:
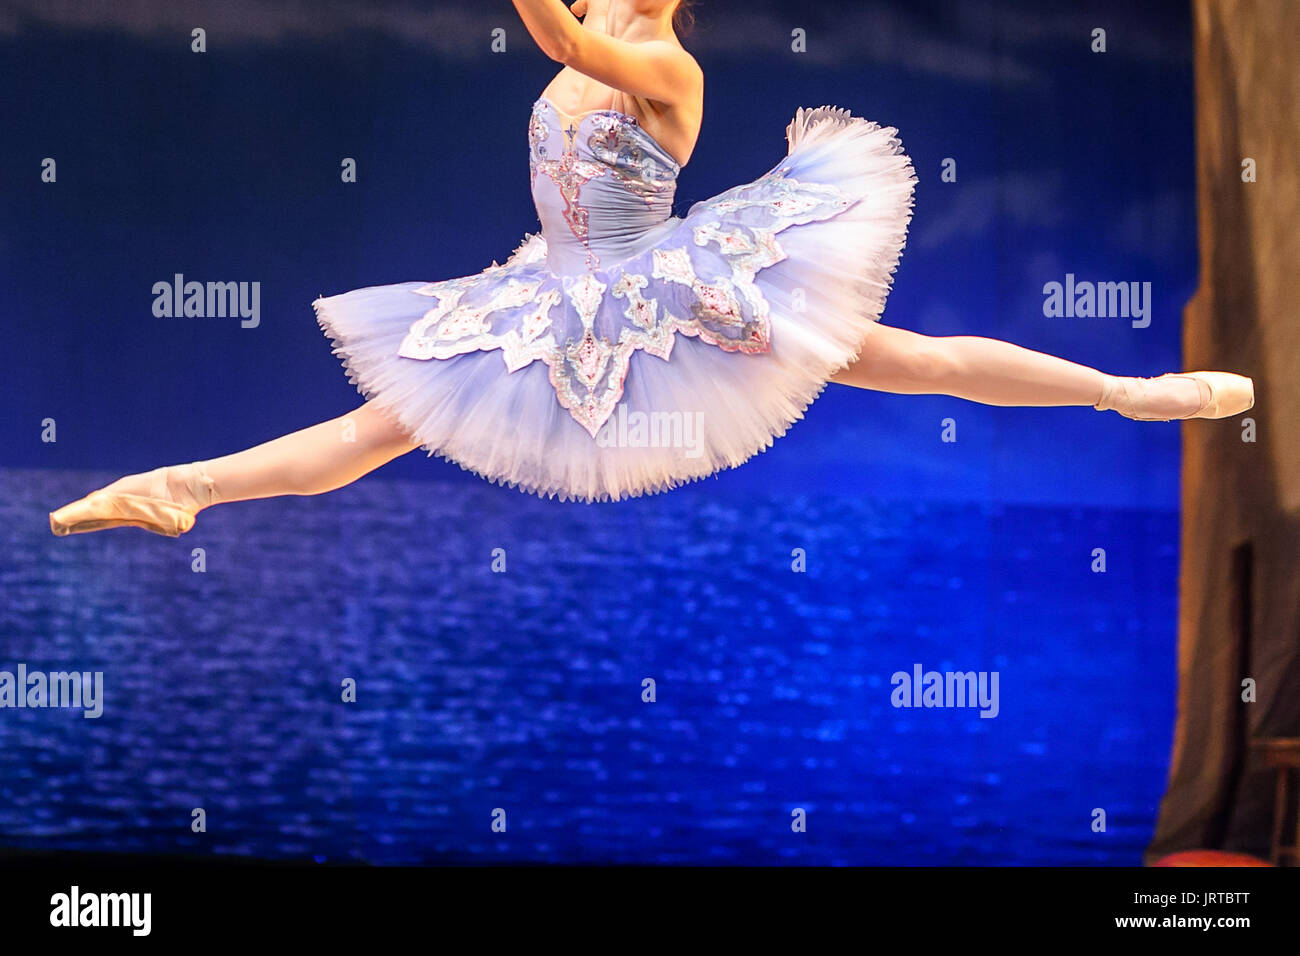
106 509
1226 394
155 512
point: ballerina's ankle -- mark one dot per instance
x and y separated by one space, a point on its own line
191 487
1115 394
1153 399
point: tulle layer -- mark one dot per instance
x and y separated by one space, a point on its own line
698 352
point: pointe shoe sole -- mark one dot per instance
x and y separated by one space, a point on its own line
1231 394
101 510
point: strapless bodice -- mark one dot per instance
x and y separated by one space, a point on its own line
602 185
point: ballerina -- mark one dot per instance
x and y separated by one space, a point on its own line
735 315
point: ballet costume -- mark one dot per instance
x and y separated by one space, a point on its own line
727 321
624 350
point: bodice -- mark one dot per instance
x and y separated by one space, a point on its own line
602 185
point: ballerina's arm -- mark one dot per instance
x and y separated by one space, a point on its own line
654 69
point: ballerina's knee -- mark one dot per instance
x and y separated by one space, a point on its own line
917 365
928 364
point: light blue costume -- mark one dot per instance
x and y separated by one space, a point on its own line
624 350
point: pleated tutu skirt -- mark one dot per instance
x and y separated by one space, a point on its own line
637 376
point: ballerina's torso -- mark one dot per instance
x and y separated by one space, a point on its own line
603 185
676 129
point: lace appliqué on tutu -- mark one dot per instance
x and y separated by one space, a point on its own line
698 280
639 305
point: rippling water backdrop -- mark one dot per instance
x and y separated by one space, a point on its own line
522 690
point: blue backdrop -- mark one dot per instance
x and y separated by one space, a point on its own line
523 690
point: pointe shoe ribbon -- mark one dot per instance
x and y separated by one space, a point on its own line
1227 394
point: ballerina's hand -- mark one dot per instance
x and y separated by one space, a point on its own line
579 8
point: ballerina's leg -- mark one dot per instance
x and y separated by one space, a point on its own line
310 461
994 372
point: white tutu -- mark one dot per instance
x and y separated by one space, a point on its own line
625 351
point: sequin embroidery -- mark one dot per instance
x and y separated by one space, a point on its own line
613 144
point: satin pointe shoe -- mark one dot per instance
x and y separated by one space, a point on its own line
1224 394
155 512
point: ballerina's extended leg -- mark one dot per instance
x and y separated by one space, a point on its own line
993 372
307 462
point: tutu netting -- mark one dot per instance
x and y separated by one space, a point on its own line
623 350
